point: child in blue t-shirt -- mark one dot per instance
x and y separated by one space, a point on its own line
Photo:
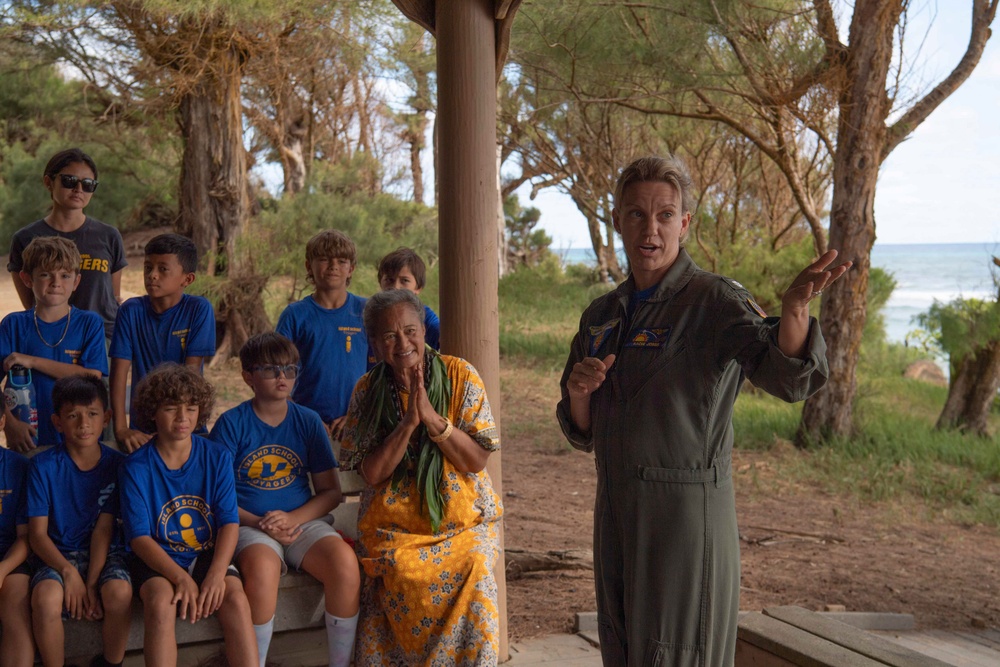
165 325
278 447
81 566
181 518
53 339
15 613
403 269
327 330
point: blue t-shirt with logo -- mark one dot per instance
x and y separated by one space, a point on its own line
272 462
334 352
181 509
75 339
72 498
147 338
13 494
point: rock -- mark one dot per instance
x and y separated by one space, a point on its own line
926 370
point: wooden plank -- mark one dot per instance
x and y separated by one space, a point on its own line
966 647
921 643
748 655
797 646
851 638
982 638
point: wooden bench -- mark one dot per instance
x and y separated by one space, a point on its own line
792 636
300 597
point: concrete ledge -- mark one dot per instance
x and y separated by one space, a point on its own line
300 606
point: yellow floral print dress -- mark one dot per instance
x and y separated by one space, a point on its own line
429 599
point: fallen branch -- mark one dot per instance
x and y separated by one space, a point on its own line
519 561
822 538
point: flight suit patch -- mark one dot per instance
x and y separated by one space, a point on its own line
599 334
652 338
755 307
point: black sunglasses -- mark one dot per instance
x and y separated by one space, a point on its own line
86 184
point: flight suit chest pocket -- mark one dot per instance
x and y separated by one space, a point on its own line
649 355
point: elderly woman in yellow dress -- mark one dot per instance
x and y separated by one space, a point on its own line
419 431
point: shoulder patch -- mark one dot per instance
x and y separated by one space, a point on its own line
599 333
754 307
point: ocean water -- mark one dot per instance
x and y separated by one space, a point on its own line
928 272
923 273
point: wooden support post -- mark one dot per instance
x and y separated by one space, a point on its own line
467 209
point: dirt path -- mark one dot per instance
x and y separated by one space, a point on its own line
798 546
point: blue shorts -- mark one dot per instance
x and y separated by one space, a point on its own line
117 566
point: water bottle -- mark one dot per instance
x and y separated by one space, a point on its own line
20 396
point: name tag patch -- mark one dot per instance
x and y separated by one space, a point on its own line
652 338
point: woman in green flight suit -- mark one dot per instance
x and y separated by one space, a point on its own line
649 386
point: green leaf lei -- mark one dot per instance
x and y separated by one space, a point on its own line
382 413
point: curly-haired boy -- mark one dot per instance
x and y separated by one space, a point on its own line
181 518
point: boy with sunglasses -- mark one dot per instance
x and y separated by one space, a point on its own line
277 447
71 179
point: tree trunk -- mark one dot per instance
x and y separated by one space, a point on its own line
972 390
861 136
293 159
597 242
214 205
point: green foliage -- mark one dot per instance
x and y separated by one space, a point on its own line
526 246
377 223
963 326
766 273
540 311
41 113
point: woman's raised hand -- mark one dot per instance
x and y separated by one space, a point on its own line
588 375
813 279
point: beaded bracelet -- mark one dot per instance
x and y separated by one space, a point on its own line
443 435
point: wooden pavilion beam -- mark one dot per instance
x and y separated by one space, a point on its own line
472 41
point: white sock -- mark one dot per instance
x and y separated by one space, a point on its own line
263 633
340 638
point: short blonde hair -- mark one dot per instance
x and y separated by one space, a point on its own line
656 169
51 253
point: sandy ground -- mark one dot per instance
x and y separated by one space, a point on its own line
798 546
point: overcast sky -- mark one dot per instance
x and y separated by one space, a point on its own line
942 185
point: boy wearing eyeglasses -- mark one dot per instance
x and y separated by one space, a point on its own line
164 325
71 179
48 341
277 447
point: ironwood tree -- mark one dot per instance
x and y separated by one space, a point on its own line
779 73
968 330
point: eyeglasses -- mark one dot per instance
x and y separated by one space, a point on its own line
270 372
69 182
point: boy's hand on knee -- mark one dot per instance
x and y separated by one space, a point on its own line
93 604
131 440
186 596
213 592
74 594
